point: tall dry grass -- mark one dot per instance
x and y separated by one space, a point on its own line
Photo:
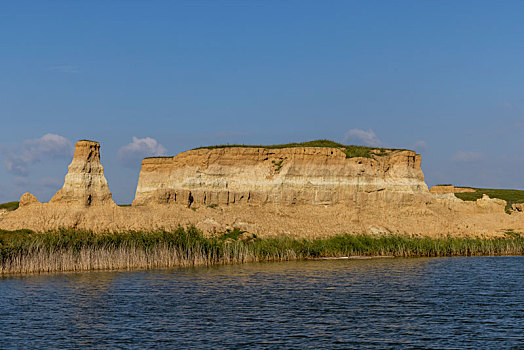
66 250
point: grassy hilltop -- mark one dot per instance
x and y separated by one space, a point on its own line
351 151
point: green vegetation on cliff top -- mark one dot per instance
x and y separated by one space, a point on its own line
510 196
9 206
350 150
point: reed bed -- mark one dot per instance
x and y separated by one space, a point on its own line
24 251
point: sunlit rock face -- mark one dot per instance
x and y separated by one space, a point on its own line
300 175
301 192
85 183
27 199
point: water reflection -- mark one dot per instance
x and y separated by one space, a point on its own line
449 302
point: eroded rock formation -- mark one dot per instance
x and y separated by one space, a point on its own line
301 175
85 183
27 199
299 192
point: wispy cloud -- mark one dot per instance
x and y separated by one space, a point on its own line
420 146
50 182
63 69
507 105
20 181
131 154
466 157
18 159
366 138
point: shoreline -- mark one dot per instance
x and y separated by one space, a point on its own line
25 251
161 268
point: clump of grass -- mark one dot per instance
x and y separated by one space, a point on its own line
234 234
351 151
277 165
510 196
212 205
512 233
24 251
10 206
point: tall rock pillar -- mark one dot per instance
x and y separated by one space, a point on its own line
85 183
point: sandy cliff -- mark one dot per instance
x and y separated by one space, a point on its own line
299 192
302 175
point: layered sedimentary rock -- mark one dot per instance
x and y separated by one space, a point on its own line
85 183
300 175
442 189
299 192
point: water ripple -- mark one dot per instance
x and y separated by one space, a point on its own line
393 303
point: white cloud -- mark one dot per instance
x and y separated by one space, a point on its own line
464 157
420 146
20 158
367 138
131 154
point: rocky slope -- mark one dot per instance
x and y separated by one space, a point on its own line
302 175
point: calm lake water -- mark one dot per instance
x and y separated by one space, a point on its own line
376 303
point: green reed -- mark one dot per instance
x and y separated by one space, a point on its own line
24 251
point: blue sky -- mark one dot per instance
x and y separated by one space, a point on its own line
159 77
